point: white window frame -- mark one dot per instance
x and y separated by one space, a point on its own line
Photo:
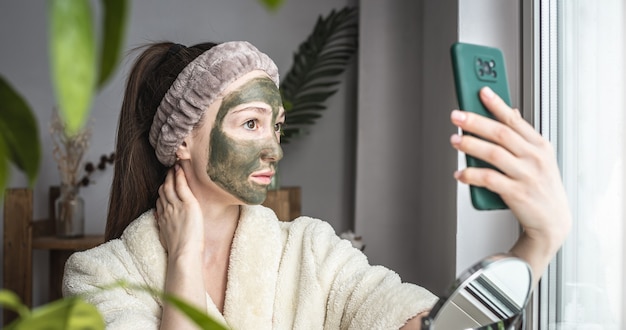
540 94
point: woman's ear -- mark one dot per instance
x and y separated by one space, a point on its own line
183 151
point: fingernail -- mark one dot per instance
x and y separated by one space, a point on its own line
458 115
176 167
457 174
455 139
488 93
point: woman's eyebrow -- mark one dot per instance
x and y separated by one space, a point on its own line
256 108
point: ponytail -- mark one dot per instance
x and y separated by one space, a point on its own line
137 171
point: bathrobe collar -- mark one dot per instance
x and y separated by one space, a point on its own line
252 271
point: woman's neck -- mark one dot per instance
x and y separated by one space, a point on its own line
220 223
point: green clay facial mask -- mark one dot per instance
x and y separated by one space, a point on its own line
233 159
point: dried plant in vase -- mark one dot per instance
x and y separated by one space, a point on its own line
90 168
68 151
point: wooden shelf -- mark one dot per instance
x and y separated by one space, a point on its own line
73 244
285 202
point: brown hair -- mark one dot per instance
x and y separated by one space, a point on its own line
137 173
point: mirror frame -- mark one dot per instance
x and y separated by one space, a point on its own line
468 276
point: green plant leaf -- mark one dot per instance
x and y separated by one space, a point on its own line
64 314
114 27
272 4
73 56
20 134
324 73
4 166
314 98
317 64
322 85
10 300
200 318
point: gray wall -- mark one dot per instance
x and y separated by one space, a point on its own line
320 163
405 205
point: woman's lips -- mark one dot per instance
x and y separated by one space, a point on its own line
264 178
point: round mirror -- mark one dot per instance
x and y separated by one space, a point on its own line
491 294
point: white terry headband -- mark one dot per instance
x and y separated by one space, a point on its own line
199 84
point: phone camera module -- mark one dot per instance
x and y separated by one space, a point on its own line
485 68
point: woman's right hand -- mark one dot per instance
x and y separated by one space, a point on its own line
530 182
179 216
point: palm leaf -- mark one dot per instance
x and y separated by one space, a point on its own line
317 65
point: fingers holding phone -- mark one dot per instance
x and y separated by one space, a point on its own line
529 179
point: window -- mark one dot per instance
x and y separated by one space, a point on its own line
582 88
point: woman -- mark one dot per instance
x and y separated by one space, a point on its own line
197 145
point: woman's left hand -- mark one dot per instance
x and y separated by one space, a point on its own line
530 182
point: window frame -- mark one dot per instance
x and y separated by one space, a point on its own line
541 95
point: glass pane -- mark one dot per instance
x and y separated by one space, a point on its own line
591 125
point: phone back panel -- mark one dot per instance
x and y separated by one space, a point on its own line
474 67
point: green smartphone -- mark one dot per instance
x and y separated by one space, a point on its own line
474 67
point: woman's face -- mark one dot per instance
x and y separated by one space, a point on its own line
244 141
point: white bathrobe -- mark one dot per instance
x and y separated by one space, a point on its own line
282 275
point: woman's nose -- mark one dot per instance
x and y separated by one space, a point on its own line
272 152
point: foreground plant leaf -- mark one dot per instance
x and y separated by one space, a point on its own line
64 314
10 300
19 132
114 28
200 318
4 166
73 56
272 4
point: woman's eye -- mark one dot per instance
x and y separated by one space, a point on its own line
250 124
278 127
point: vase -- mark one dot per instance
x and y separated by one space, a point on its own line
69 213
